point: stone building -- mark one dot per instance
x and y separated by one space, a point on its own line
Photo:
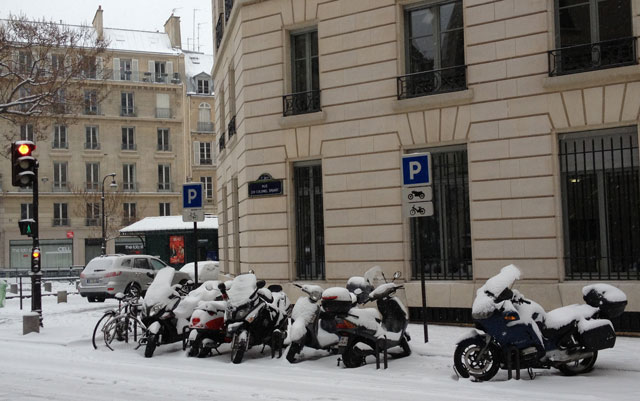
529 109
143 131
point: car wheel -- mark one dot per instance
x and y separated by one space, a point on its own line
91 299
100 299
133 290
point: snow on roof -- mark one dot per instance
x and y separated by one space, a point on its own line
168 223
197 63
139 41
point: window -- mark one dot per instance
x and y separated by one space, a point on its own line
26 133
91 137
26 211
60 176
160 68
205 153
59 102
125 69
57 64
25 62
163 139
129 212
203 86
60 217
165 209
128 138
90 102
126 103
164 177
60 137
89 67
207 186
157 264
305 78
434 50
163 105
307 182
93 214
600 197
93 176
129 177
204 118
591 35
441 244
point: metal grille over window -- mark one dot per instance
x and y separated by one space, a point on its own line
231 128
309 222
600 197
441 244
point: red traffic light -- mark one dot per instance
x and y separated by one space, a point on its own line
24 149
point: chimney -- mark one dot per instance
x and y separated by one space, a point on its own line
97 23
172 28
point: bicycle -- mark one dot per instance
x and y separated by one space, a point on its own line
121 323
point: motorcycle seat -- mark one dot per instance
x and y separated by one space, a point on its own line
560 321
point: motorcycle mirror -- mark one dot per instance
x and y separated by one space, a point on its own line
397 275
261 283
275 288
222 287
151 274
504 295
251 271
119 296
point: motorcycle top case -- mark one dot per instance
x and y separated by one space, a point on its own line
336 300
597 297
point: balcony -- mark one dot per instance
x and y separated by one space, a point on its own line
221 143
91 110
228 6
164 187
128 111
301 103
60 145
129 186
59 186
60 222
164 147
91 146
231 127
90 221
129 146
206 162
219 30
139 76
92 186
162 112
593 56
433 82
205 126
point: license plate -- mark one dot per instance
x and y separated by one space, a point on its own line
93 280
343 341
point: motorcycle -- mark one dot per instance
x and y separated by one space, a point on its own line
369 331
165 323
311 326
207 323
418 194
513 332
255 315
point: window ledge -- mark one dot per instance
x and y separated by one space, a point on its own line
592 78
434 101
301 120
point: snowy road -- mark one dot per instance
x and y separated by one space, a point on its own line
59 363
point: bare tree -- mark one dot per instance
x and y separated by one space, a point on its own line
49 72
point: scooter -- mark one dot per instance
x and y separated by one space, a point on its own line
207 323
370 331
311 326
254 315
515 333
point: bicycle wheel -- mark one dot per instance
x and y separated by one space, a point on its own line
113 329
95 329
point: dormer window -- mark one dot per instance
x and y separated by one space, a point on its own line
203 86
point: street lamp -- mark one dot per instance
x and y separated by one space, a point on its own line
104 224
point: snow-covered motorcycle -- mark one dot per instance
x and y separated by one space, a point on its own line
515 333
207 322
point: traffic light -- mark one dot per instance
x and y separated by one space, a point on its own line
23 164
35 260
28 227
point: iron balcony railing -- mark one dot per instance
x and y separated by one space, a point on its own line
91 145
219 30
164 147
164 186
205 126
426 83
129 146
228 6
60 222
92 186
301 103
231 127
60 145
163 112
128 111
221 143
593 56
129 186
92 110
206 162
91 221
60 186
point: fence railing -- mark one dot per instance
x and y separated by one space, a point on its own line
432 82
593 56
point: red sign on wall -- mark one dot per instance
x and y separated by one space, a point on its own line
69 234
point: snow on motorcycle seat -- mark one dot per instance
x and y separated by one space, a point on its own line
361 287
610 300
560 321
336 300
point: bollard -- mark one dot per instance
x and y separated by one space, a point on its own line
47 287
30 323
13 288
62 297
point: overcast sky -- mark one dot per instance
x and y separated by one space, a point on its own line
146 15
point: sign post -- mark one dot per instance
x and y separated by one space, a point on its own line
417 196
192 210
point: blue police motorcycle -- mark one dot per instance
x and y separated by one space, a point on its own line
513 332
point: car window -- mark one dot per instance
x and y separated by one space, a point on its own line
126 263
158 264
141 263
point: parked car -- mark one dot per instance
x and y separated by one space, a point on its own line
207 270
107 275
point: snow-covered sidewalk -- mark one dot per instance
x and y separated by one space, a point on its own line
59 363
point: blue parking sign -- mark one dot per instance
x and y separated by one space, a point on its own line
192 195
416 169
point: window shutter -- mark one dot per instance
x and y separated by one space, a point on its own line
100 66
196 153
134 70
170 70
152 70
116 69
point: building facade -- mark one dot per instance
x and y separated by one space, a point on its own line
141 131
528 108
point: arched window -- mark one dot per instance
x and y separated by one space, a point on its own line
204 115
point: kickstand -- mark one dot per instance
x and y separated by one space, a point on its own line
263 347
377 351
386 354
532 374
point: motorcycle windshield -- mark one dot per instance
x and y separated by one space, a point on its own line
160 289
375 276
241 290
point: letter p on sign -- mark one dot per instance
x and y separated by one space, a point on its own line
191 195
416 169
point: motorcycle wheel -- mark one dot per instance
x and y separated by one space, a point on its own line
353 357
294 350
194 346
239 346
580 366
466 361
152 343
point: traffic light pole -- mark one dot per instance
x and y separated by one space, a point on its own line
36 271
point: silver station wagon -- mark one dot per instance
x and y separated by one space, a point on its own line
107 275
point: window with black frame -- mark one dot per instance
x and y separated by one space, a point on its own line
600 197
441 244
307 182
434 50
305 76
592 35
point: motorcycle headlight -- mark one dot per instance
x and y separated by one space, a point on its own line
155 309
242 312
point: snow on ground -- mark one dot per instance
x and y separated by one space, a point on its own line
59 363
